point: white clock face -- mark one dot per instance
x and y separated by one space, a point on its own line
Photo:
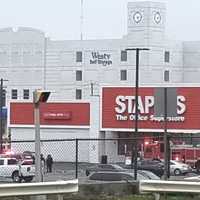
137 17
157 17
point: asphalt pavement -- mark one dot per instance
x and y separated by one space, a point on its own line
67 171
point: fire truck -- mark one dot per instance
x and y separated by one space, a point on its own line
179 152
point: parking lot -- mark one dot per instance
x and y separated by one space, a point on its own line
67 171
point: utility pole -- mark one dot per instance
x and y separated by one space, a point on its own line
1 113
165 136
38 175
38 97
135 148
1 110
165 105
166 139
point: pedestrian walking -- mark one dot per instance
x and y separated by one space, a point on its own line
183 159
33 158
42 166
49 162
42 159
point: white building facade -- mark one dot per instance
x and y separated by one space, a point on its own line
76 70
29 60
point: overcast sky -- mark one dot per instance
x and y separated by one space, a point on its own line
60 19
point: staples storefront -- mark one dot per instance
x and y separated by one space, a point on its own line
118 114
112 115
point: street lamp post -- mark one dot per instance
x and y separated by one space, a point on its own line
38 176
1 120
39 96
134 149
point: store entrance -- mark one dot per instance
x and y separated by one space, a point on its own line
126 142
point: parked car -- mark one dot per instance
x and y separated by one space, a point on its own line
10 168
148 174
24 158
178 168
194 177
115 176
28 158
104 167
150 165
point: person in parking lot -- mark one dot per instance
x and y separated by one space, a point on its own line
183 159
140 155
49 162
42 159
33 158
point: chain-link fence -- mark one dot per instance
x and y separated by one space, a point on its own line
72 157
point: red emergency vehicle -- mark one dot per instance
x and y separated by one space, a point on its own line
179 152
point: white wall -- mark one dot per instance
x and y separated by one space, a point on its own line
191 59
111 148
60 150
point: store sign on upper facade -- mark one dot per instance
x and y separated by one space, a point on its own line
118 109
100 58
57 115
125 108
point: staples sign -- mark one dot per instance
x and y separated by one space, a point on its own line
118 108
126 105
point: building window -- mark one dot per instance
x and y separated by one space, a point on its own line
26 94
78 75
78 94
14 94
167 56
166 75
79 56
123 75
123 56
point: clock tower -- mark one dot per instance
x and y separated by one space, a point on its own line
146 21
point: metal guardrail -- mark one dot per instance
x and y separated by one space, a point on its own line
169 186
41 188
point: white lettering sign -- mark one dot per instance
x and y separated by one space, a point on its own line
126 104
